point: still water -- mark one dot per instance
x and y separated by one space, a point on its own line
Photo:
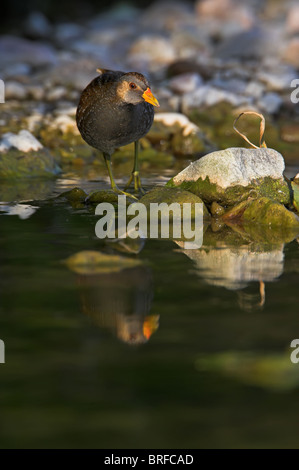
186 349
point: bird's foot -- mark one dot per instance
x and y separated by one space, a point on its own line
137 183
123 193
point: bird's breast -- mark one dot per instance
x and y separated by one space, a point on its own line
106 125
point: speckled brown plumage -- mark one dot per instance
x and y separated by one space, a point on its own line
115 109
104 121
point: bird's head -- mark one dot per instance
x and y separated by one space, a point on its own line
133 88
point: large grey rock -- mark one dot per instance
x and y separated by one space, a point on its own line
234 166
230 176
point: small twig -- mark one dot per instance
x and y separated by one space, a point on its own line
262 129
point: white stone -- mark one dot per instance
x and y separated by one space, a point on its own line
56 93
15 90
270 102
185 83
152 49
23 141
207 95
292 22
254 89
65 124
277 81
234 166
170 119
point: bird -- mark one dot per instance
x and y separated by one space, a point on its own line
116 109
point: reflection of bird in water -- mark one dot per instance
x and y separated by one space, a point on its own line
121 301
116 109
249 302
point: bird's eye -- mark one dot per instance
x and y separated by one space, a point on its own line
133 86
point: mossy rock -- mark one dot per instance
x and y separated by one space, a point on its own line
173 195
263 211
210 192
189 145
295 190
110 196
15 164
74 195
171 138
217 210
232 175
67 146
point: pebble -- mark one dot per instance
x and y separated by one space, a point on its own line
185 83
270 102
37 25
16 70
65 124
24 51
292 20
234 85
170 119
249 45
207 95
254 89
37 92
56 93
152 50
277 80
65 32
290 133
291 52
15 90
225 11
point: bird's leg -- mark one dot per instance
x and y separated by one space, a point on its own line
135 173
114 186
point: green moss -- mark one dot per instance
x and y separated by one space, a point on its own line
277 190
15 164
190 145
105 196
173 195
66 147
295 189
263 211
74 195
216 209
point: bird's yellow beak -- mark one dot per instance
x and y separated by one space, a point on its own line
149 97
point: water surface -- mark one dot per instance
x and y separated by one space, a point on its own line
189 349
